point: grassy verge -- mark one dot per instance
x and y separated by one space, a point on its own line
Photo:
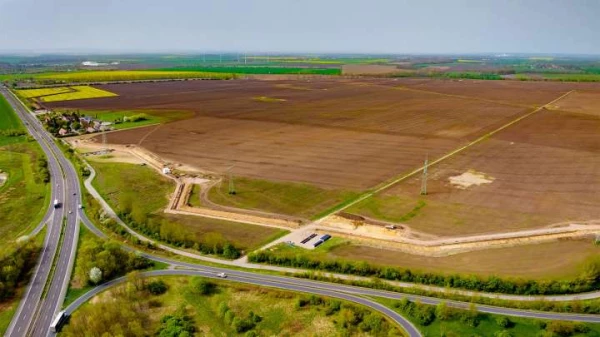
24 192
442 320
194 199
225 309
295 199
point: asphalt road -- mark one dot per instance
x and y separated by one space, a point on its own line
35 314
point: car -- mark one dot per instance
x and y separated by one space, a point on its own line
70 212
74 193
222 275
79 206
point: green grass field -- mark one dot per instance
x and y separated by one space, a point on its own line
152 117
281 313
295 199
144 189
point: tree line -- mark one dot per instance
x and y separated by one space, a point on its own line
15 266
588 280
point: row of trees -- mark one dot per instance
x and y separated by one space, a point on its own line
588 280
15 265
175 234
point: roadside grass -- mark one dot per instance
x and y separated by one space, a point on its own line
485 324
552 260
282 313
295 199
151 116
23 197
140 188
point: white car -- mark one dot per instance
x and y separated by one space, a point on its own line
222 275
79 206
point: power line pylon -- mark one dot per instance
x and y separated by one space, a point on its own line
424 178
231 185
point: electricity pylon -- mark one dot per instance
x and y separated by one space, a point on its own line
231 185
424 178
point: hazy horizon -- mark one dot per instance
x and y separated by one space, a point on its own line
344 27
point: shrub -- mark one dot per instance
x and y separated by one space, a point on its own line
157 287
202 286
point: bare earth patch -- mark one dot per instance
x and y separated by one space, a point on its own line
469 179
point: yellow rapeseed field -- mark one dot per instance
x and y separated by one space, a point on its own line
65 93
30 93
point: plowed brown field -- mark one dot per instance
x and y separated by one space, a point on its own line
356 133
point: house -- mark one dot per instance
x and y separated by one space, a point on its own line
62 132
90 130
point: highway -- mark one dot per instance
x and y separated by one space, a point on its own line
35 315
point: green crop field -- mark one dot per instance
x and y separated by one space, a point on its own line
127 75
260 70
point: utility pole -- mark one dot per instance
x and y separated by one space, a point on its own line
104 140
424 178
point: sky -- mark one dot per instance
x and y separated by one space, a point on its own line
311 26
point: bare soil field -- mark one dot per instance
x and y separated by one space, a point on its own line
541 171
585 102
337 133
541 261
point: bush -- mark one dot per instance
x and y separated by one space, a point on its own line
504 322
157 287
202 286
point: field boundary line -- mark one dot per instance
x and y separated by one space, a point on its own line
437 161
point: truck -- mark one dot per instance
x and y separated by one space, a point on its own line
56 203
59 320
